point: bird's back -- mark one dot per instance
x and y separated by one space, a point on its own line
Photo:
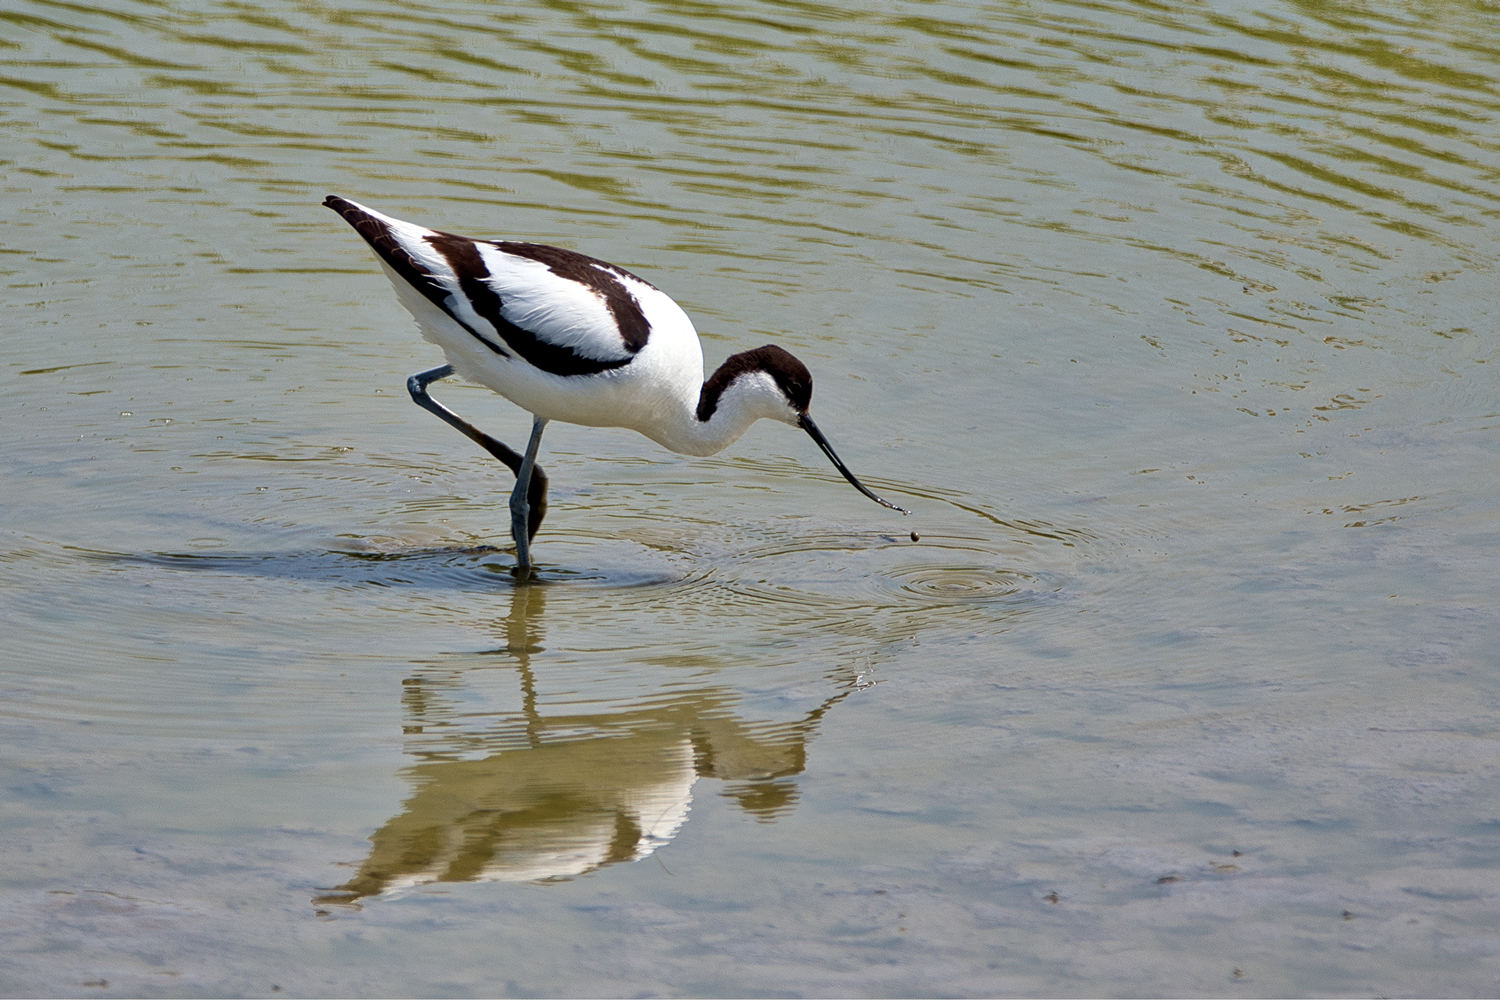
561 334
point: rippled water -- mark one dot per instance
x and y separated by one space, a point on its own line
1174 324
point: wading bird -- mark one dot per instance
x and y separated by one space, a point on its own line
567 337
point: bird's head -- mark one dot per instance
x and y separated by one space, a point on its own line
769 379
773 383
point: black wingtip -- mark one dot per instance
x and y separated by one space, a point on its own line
373 229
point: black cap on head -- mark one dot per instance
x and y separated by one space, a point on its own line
791 377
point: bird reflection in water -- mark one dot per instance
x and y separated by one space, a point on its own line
557 796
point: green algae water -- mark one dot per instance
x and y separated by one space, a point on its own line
1173 323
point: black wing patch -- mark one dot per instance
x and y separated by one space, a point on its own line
463 257
601 278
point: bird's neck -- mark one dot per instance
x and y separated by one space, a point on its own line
698 428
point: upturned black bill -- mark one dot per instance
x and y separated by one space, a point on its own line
807 424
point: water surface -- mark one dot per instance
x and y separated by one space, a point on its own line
1174 325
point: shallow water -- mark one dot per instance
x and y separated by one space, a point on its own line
1174 325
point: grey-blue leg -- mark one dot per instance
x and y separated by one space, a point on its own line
536 492
519 508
